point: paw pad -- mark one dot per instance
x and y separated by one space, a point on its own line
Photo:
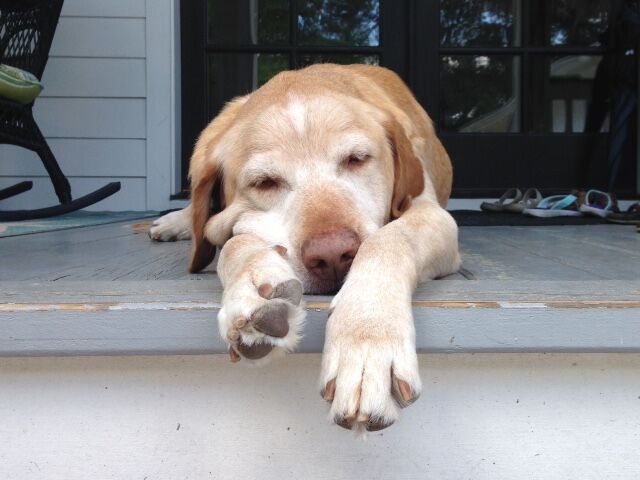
271 319
254 335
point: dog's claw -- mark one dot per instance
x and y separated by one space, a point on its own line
344 423
233 355
233 335
329 390
402 392
282 251
375 425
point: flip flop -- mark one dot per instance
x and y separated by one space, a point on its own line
556 206
630 217
530 199
600 204
511 196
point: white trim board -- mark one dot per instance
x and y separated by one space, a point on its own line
179 317
162 106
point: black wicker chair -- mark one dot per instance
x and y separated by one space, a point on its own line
26 32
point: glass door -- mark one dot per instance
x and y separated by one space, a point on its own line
519 90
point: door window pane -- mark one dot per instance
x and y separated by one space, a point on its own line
566 93
340 58
339 22
232 74
248 22
479 23
577 23
479 93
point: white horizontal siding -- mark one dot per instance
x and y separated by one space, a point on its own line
91 117
95 77
99 37
104 8
132 195
93 157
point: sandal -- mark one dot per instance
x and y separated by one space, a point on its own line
513 194
600 204
630 217
556 206
530 199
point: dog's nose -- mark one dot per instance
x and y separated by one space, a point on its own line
328 256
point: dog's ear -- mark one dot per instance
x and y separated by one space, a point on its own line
205 202
408 180
207 192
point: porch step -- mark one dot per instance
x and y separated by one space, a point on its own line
179 317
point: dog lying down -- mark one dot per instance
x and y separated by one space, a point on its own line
322 172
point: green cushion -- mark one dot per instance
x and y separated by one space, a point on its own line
18 85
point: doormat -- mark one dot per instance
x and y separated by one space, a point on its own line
479 218
70 220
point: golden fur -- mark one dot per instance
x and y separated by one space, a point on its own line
335 157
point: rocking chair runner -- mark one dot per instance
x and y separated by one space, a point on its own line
26 32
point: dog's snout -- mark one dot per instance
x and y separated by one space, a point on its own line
328 256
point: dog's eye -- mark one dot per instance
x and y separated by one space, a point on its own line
266 183
355 160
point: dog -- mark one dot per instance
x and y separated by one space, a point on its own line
326 179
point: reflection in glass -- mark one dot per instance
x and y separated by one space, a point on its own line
564 91
577 23
248 22
232 74
340 58
487 23
338 22
479 93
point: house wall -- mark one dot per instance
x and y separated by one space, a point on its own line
483 416
108 106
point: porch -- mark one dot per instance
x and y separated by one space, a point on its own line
108 290
538 406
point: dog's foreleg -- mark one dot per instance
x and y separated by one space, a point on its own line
262 310
369 365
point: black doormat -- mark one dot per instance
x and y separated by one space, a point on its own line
478 218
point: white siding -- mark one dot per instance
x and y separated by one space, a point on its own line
95 77
95 107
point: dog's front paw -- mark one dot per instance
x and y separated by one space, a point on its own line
171 227
262 313
369 365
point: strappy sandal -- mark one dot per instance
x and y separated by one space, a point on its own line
556 206
531 198
600 204
510 197
630 217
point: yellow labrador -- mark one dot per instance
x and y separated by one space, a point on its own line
322 172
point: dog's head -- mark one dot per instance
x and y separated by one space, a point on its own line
314 173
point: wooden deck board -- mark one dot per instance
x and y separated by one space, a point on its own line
119 252
110 290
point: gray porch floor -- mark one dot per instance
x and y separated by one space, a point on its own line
108 289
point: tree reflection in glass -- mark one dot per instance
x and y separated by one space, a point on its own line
479 93
487 23
339 22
